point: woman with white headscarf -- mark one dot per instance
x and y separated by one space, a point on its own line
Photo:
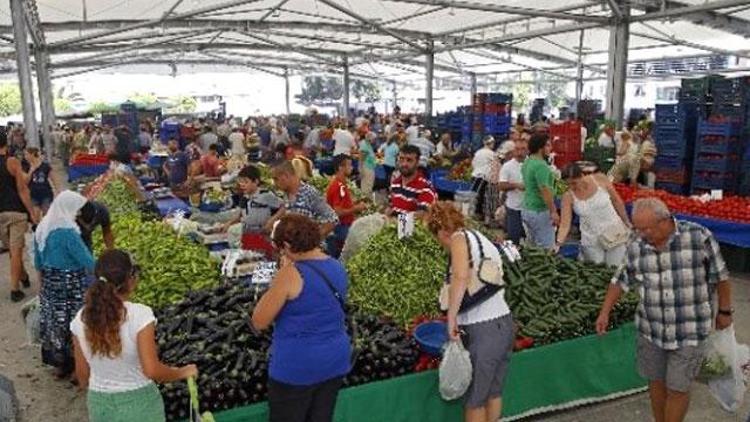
63 261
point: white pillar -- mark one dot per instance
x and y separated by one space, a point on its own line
286 91
345 104
617 68
579 75
46 98
394 90
23 62
429 79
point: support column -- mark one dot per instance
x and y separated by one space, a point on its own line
46 98
617 68
286 91
579 75
345 104
473 92
429 78
23 62
394 90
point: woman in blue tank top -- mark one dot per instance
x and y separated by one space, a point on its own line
311 350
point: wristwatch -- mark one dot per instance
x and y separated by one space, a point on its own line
726 312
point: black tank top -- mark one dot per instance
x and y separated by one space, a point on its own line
10 201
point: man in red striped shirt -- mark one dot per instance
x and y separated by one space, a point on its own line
410 191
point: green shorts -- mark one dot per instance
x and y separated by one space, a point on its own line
143 405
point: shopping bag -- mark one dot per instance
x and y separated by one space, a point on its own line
725 368
32 317
195 415
455 371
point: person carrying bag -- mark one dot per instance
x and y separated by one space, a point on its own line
478 315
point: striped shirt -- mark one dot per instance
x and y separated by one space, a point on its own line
417 195
676 285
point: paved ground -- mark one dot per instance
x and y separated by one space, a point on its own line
44 399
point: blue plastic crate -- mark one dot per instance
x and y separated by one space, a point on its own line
674 147
669 162
707 181
500 98
669 132
718 129
724 166
674 188
725 147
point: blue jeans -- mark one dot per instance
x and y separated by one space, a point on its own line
541 232
335 241
514 225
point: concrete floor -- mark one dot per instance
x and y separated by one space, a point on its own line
44 399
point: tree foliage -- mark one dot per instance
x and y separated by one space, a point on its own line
366 91
320 90
142 98
10 99
183 104
101 107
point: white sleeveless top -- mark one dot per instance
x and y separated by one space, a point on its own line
596 215
495 306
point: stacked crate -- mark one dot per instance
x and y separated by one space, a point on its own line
674 135
566 142
490 115
537 110
457 123
589 111
718 153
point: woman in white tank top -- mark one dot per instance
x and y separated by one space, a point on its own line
604 223
485 325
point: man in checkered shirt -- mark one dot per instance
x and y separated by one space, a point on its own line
677 270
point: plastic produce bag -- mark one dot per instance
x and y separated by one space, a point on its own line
195 415
723 368
455 371
360 233
32 318
234 236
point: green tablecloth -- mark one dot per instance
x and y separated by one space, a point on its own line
556 376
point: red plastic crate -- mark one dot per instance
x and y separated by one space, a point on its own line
565 130
566 145
563 159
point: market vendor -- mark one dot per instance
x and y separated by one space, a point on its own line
211 165
301 198
176 169
261 206
95 215
410 191
682 300
339 197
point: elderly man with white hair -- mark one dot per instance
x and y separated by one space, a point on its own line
677 269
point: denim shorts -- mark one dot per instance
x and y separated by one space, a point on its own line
540 231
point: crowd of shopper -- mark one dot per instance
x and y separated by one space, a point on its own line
88 325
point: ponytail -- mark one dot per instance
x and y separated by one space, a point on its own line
104 310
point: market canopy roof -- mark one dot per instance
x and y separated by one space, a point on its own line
386 39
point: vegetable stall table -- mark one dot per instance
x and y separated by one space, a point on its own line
171 205
553 377
87 165
80 171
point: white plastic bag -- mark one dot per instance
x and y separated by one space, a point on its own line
32 318
455 371
723 368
